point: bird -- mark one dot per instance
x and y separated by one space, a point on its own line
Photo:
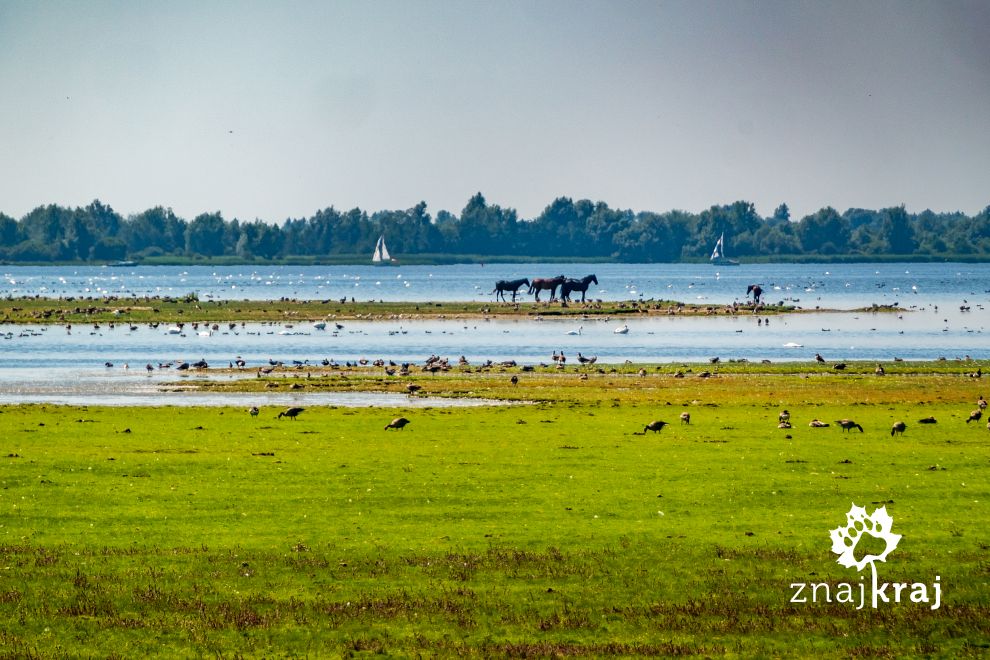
817 424
412 388
397 423
587 360
898 427
839 366
576 332
848 425
975 416
254 411
981 403
624 329
290 412
655 426
880 370
928 420
784 425
685 418
514 380
783 416
819 358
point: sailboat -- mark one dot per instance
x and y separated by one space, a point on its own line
718 257
381 256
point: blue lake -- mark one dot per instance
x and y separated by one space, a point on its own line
931 325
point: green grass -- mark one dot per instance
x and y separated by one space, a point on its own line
552 528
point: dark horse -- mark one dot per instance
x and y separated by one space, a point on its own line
509 285
576 285
756 291
540 283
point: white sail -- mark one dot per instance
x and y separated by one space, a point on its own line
719 250
381 252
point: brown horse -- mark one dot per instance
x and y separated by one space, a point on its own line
576 285
540 283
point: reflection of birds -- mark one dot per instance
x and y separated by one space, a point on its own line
848 425
898 427
397 423
654 426
291 412
975 416
254 411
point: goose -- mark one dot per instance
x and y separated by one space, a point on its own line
783 416
655 426
817 424
975 416
848 425
928 420
397 423
685 418
898 427
290 412
254 411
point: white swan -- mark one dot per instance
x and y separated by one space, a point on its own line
621 331
576 332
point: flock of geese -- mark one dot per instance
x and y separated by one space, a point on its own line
784 421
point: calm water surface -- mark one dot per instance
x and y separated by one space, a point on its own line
48 361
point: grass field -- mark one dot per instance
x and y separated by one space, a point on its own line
550 528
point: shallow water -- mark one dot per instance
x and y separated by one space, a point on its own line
931 325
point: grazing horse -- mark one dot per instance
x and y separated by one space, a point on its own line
541 283
756 290
576 285
509 285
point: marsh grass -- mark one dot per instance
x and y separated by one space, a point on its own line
555 528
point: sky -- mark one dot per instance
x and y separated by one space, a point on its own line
272 110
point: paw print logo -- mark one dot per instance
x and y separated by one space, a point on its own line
844 539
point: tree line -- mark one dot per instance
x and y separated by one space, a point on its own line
566 228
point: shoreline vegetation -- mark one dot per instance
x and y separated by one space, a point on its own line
190 309
566 230
566 527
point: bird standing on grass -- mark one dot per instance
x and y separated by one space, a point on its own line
291 412
898 427
254 411
397 423
975 416
655 426
848 425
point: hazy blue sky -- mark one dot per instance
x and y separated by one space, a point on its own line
277 109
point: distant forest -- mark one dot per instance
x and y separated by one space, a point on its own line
566 228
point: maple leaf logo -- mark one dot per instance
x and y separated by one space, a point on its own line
844 539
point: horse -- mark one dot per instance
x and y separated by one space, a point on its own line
576 285
509 285
756 290
540 283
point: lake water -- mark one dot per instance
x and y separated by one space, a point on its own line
48 363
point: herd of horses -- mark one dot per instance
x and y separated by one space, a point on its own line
567 287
